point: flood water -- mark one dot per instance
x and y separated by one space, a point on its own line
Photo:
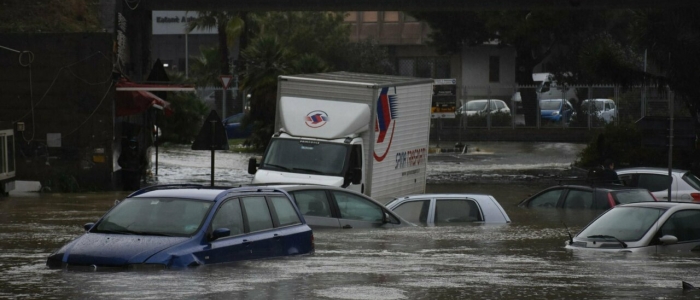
522 260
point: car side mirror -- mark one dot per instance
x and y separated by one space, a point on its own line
356 175
88 226
668 240
219 233
252 165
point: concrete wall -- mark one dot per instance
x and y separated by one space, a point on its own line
65 98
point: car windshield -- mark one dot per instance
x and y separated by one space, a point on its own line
155 216
631 196
597 106
550 105
305 156
476 105
624 223
692 180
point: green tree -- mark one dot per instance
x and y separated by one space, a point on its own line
266 59
229 26
183 125
205 68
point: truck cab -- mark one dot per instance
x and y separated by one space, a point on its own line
336 162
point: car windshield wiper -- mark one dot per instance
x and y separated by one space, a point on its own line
277 166
602 236
114 231
307 170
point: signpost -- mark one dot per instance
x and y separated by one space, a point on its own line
225 83
212 136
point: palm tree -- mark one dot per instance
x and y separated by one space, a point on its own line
229 25
205 67
266 58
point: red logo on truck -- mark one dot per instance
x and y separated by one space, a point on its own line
316 119
386 120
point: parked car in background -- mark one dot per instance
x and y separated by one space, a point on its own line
482 106
685 185
234 130
556 110
449 209
647 227
586 197
604 109
178 226
335 207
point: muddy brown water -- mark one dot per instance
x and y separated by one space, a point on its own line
522 260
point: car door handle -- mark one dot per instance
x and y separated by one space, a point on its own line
246 243
276 237
347 227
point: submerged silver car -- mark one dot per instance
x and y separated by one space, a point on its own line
685 185
648 227
333 207
448 209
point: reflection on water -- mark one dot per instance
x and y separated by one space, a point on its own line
521 260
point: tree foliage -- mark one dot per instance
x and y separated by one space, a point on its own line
48 16
183 125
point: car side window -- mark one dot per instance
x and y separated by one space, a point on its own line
257 213
576 199
286 214
357 208
450 211
546 199
683 225
626 179
414 211
654 182
607 106
312 203
229 216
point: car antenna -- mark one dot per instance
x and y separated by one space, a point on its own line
571 238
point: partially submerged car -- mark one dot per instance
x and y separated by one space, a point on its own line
586 197
449 209
648 227
685 186
178 226
334 207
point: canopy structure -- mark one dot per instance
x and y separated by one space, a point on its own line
134 98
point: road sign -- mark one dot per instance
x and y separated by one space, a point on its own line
212 135
226 80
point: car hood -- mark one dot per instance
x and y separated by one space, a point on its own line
267 176
116 249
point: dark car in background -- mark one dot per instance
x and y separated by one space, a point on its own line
234 130
586 197
179 226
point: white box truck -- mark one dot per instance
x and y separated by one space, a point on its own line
367 133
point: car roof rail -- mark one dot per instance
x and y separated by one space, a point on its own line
164 187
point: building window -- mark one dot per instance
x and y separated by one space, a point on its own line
391 16
494 69
369 16
351 16
426 67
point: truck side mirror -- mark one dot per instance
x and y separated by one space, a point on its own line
356 175
252 165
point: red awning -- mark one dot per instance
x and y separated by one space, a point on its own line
134 98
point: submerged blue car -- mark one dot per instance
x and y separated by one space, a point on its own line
179 226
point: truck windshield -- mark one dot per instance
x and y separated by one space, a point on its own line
304 156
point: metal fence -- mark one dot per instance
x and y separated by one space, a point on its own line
537 107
